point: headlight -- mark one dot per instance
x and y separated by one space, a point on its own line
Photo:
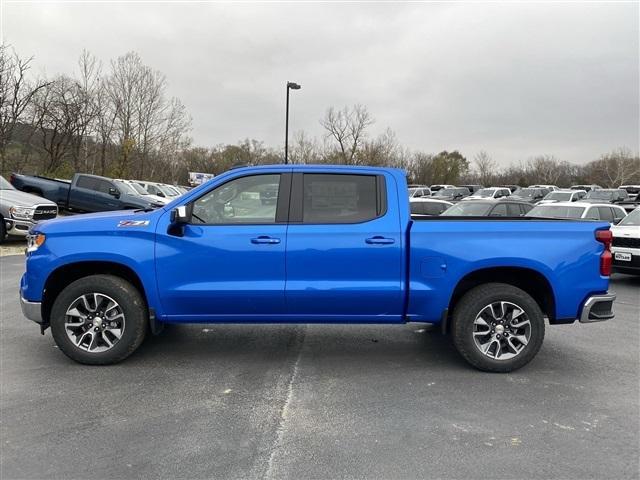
22 213
35 241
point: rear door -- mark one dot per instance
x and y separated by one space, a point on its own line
344 249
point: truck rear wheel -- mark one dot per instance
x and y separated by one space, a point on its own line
497 327
99 320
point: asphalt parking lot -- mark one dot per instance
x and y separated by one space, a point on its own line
317 401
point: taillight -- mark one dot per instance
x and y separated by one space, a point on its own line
605 237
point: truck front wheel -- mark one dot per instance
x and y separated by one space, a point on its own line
497 327
99 320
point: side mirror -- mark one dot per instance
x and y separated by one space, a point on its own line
180 215
114 192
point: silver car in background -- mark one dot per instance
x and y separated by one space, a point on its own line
20 210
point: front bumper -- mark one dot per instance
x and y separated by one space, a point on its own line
598 308
18 228
31 310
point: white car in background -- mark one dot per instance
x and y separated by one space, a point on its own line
551 188
563 196
626 244
158 189
488 193
605 212
427 207
133 188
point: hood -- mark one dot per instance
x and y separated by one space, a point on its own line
16 198
100 222
544 202
626 231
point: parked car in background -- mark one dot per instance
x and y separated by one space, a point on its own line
158 189
437 188
551 188
493 192
632 190
626 244
574 210
84 193
512 188
530 194
175 192
19 211
417 191
488 208
427 207
135 188
338 246
472 188
452 194
610 195
586 188
562 196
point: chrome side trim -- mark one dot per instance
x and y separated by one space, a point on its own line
588 317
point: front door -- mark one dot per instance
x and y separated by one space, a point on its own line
344 250
228 263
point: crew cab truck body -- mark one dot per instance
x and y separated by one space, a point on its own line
84 193
338 246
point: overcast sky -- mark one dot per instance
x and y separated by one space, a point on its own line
515 80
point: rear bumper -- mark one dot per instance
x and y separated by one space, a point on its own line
31 310
598 308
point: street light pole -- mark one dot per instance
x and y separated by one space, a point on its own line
290 86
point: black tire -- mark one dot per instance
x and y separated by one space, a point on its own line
469 308
129 300
3 231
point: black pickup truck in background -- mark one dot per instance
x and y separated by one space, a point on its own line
84 193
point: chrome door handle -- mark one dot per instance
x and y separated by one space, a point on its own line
263 239
379 240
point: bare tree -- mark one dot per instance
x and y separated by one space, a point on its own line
88 85
348 128
486 168
16 93
619 167
57 108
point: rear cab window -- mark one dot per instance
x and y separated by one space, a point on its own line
320 198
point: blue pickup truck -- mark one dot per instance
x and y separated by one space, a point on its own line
338 245
84 193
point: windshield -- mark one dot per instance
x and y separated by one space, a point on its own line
600 194
172 191
4 185
556 211
138 188
468 209
485 192
124 187
560 196
632 220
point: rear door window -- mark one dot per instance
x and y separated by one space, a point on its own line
605 214
513 210
90 183
337 198
499 210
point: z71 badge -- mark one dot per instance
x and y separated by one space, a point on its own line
133 223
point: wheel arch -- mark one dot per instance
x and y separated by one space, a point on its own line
64 275
531 281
